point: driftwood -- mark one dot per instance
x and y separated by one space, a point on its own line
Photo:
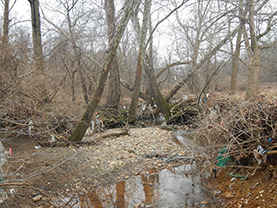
65 143
109 118
109 133
183 113
87 140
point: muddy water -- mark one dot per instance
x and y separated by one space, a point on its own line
176 187
169 188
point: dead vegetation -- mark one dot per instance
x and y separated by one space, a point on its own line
222 120
232 130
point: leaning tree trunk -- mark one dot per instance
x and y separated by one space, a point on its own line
36 34
79 132
114 79
136 91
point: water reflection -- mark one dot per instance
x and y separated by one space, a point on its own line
167 188
120 192
90 200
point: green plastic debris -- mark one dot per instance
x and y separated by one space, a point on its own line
1 181
242 177
223 157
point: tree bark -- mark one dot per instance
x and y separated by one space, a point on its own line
136 91
36 34
5 37
4 46
255 59
161 103
83 84
235 59
114 79
175 89
254 73
79 132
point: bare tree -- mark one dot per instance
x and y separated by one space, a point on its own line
8 57
204 34
76 19
253 47
79 132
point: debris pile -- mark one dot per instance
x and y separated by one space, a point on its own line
247 130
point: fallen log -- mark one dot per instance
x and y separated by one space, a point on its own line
109 133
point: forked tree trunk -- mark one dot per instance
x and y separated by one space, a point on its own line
114 79
174 90
161 103
36 34
136 91
79 132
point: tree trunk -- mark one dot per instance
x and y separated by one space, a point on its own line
253 79
136 91
36 34
72 79
150 60
162 104
235 63
235 59
5 37
175 89
83 84
79 132
78 54
114 79
255 59
4 46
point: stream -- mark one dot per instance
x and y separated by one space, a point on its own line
169 188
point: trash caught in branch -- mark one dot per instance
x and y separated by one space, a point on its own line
260 154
